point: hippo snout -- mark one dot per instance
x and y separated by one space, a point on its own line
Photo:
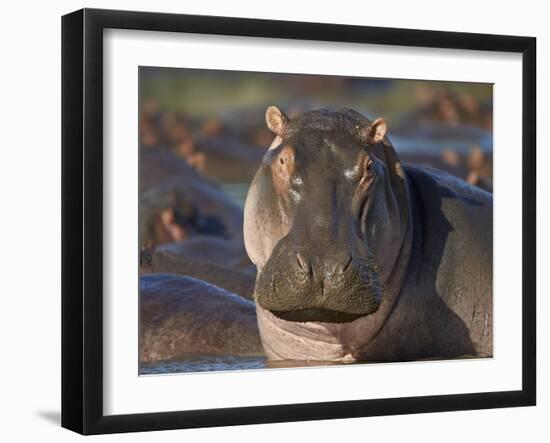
332 284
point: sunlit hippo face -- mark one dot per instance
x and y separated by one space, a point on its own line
321 217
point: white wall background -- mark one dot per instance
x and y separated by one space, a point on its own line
30 189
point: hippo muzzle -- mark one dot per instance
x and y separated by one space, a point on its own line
319 281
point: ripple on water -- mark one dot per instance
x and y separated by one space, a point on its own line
203 363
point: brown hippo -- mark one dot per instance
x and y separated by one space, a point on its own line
361 258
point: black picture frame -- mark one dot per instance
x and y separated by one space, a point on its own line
82 220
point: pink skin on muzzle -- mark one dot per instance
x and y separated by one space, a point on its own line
314 341
309 341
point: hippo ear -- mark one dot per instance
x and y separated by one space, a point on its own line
375 134
276 120
376 131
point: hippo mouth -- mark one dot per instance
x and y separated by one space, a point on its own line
314 314
312 341
303 305
344 302
339 288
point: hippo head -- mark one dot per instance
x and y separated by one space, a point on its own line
325 220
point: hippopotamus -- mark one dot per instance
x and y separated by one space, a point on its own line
177 202
360 257
182 316
219 261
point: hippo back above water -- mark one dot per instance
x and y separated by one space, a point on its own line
361 258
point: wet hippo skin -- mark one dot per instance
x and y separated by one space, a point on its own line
237 281
182 315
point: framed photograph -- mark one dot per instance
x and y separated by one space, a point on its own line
269 221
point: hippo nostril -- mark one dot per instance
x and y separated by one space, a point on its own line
347 264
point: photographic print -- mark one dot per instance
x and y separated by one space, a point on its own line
290 220
240 215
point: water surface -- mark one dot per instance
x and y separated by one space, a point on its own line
203 363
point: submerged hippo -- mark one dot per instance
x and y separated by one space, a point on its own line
177 202
182 316
362 258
